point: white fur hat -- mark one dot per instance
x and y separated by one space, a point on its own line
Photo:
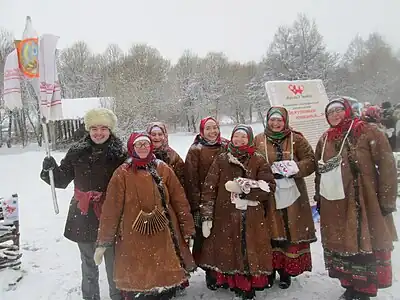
100 116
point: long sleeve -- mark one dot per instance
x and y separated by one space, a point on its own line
178 166
63 174
179 203
191 177
264 173
318 154
210 191
112 209
305 156
384 160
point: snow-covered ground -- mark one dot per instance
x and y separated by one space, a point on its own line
52 264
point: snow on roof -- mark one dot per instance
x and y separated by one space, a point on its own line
74 109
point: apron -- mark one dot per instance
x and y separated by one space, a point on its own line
286 192
331 181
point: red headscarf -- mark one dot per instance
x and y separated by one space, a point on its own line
136 160
203 126
373 114
337 132
200 137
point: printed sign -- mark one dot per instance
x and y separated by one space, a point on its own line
10 209
305 101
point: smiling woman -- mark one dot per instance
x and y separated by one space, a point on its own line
162 150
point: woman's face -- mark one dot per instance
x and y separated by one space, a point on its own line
142 148
99 134
276 124
157 137
240 138
335 115
211 131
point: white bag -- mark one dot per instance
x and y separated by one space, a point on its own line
286 192
331 181
331 184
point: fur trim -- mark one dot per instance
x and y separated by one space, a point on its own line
206 267
115 148
156 291
235 161
100 116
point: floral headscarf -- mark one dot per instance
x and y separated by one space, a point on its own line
286 129
246 150
337 132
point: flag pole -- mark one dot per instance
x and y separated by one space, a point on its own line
35 83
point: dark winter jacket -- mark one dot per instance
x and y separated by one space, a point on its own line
90 166
389 121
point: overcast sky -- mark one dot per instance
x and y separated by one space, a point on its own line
240 28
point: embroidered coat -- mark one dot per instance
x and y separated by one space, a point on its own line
294 224
235 244
362 222
147 263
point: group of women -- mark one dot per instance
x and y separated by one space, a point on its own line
243 202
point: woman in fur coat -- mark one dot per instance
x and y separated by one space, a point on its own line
162 150
207 145
90 164
292 159
233 220
356 195
147 217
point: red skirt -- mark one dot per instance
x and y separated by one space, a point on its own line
294 259
365 273
242 282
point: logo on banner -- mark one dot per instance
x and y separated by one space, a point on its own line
296 89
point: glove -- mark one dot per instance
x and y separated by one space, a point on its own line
49 163
98 255
233 187
278 176
206 228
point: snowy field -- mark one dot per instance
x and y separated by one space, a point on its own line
52 263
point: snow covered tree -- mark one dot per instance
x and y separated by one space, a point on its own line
256 91
298 52
6 47
213 68
80 72
143 74
189 89
374 70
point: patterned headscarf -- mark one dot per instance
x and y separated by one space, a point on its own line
373 114
246 150
161 126
272 135
136 160
337 132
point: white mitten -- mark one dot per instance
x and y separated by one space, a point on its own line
98 255
233 187
264 185
206 228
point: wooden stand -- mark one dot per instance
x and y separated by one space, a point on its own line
10 255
